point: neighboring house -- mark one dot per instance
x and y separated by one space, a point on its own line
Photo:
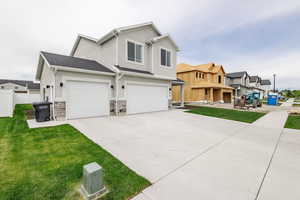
255 81
20 86
23 92
203 83
255 84
240 81
129 70
266 86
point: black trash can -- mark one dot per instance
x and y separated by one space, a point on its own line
42 111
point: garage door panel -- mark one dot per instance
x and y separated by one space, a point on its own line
146 98
87 99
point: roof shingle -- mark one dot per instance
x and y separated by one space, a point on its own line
74 62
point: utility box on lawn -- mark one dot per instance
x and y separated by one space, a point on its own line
272 99
42 111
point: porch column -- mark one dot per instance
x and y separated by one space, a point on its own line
182 95
221 95
211 95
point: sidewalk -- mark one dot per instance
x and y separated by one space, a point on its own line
233 170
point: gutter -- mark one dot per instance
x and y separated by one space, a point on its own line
70 69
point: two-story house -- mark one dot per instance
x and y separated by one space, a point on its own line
266 86
203 83
240 81
20 86
129 70
255 84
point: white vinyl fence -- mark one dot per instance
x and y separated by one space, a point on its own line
8 100
6 103
24 98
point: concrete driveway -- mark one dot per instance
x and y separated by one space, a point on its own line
188 156
155 144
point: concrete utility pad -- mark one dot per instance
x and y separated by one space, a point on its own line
155 144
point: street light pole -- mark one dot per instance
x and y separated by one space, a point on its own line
274 76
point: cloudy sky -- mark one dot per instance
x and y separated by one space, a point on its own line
259 36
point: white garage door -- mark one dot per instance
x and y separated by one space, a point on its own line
87 99
146 98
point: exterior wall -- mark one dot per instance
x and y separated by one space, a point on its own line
34 92
104 54
47 78
140 35
162 70
108 55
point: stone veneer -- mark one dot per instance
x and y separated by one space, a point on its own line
170 103
60 110
121 107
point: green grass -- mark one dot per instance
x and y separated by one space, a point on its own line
242 116
296 105
293 122
46 163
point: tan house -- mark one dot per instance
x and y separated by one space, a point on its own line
203 83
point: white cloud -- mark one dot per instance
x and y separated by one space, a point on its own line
30 26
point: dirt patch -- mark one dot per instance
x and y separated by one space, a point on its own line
29 114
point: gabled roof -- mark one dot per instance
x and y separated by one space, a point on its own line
158 38
208 68
113 33
116 31
24 83
71 63
237 74
74 62
265 82
254 79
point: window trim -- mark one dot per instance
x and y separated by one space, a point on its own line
126 51
171 54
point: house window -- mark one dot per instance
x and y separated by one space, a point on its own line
219 79
165 57
134 52
206 91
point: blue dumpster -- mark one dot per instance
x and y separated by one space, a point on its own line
272 99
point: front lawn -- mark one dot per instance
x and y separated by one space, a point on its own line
242 116
293 122
46 163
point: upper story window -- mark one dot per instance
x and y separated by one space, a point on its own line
135 52
165 57
219 79
199 75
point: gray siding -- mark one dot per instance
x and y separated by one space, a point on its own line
104 54
162 70
47 78
140 36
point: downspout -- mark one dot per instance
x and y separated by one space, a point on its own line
54 96
117 74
